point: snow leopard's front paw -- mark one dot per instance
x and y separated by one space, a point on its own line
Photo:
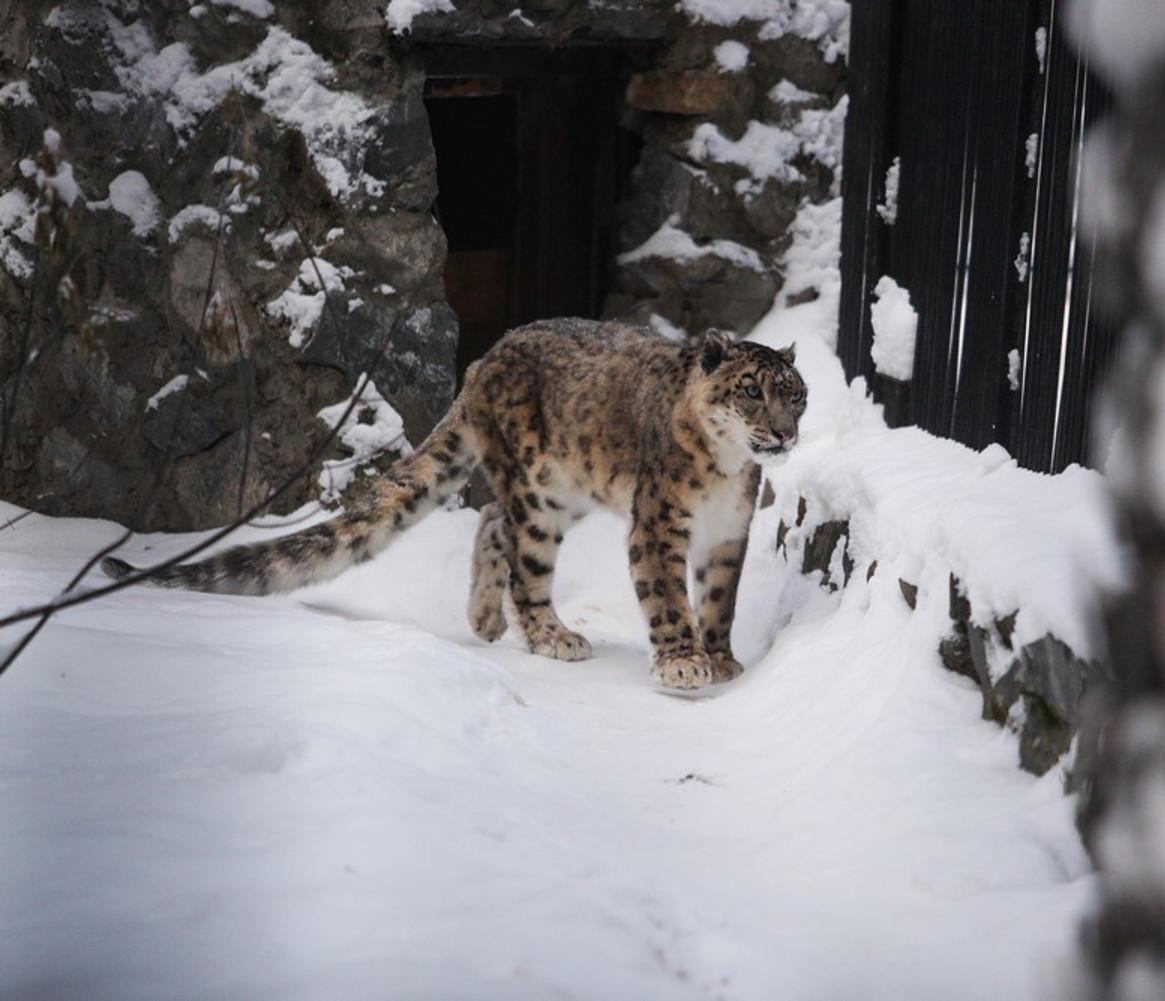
559 644
725 667
682 672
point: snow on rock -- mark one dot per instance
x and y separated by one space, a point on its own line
16 94
372 427
175 385
400 13
665 328
731 56
302 304
130 194
196 215
61 182
765 150
674 244
925 507
17 233
825 22
895 325
812 263
260 9
284 73
787 92
887 209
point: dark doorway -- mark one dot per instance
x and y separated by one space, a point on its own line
532 158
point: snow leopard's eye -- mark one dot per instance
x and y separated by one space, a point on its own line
753 391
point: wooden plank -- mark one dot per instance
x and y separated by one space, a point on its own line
995 295
866 155
1091 337
938 57
1051 240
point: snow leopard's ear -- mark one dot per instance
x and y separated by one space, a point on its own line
713 348
789 354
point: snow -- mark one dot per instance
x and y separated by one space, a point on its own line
17 221
400 13
895 325
175 385
1023 259
130 194
284 73
373 427
766 150
324 794
302 303
811 262
665 328
1042 47
887 209
192 215
283 240
1031 157
825 22
786 92
674 244
261 9
61 181
16 94
233 165
731 56
1014 369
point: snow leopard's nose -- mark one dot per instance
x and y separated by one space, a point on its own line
786 439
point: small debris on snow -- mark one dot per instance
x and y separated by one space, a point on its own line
175 385
1013 369
895 325
372 427
731 56
1021 260
887 209
674 244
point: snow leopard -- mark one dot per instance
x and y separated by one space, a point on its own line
564 416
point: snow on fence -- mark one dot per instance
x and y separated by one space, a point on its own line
981 107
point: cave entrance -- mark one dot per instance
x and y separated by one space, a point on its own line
534 150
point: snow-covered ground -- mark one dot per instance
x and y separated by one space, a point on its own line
344 794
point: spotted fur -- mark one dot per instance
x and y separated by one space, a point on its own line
563 416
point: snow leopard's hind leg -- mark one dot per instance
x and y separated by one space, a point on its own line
491 574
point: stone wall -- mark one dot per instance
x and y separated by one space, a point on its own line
232 221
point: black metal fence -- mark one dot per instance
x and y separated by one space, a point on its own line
984 105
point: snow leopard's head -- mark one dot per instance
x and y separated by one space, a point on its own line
753 396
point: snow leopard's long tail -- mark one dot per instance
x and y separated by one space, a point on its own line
410 490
